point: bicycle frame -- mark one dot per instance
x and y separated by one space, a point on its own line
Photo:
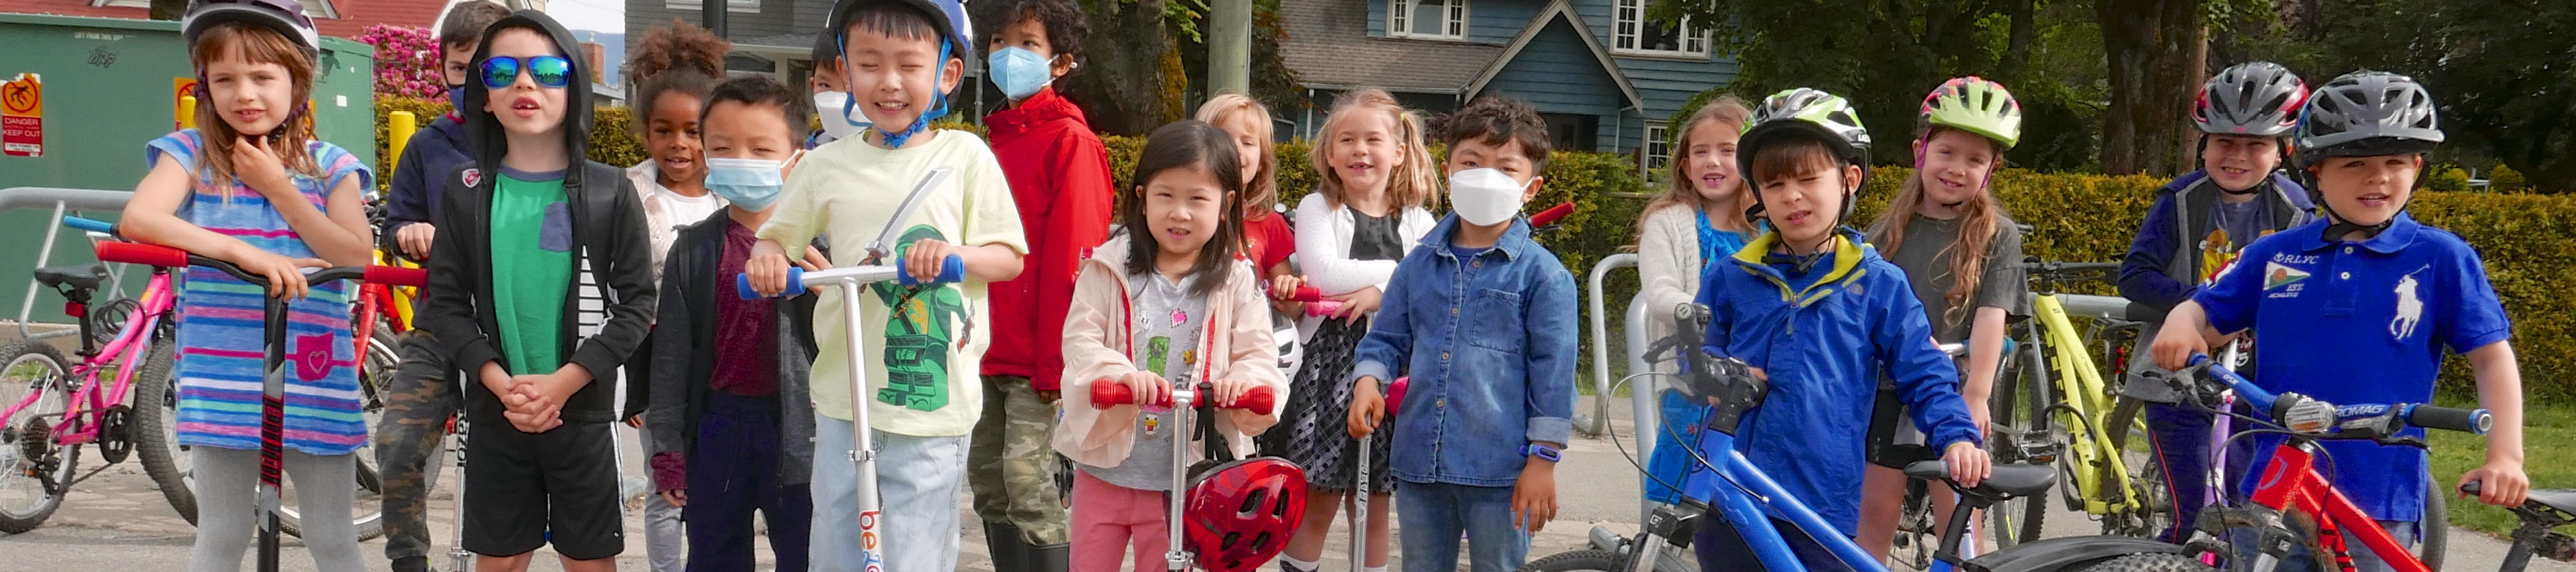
2084 404
90 403
1753 493
2291 481
382 300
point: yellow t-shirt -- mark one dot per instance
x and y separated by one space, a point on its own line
921 375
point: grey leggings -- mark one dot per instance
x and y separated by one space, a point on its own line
228 507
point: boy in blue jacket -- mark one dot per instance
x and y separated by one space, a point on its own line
1822 318
2199 224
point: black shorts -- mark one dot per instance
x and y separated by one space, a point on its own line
523 490
1894 442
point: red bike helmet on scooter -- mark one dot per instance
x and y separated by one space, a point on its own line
1241 513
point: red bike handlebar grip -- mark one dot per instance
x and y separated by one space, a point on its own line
397 276
1108 393
1549 216
144 254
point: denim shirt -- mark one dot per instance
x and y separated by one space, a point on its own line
1471 406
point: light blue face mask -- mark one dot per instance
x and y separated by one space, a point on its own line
752 184
1019 72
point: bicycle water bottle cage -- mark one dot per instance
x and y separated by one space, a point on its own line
1731 383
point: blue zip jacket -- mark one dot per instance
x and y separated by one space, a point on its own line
426 161
2162 268
1825 337
1489 341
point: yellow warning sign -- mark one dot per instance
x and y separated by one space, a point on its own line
22 116
182 115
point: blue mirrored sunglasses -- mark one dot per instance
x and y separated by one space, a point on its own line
550 71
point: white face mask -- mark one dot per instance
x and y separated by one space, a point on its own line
1485 197
833 107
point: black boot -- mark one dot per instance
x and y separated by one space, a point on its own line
1010 550
1051 558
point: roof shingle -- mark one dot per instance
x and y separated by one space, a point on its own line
1328 45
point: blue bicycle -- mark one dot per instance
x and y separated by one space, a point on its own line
1750 500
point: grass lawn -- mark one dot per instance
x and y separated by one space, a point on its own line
2547 431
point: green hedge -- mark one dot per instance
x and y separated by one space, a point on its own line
2076 217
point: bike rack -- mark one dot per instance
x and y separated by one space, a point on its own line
1646 415
1599 421
62 200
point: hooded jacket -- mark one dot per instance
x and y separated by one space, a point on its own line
1825 338
2163 265
1060 180
1099 342
684 344
611 301
426 161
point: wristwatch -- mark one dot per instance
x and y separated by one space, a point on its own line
1543 452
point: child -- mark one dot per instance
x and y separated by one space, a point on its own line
1059 175
1697 220
1176 268
675 65
2198 225
731 418
252 186
1365 214
2387 296
1943 210
825 84
1805 156
1478 449
923 399
419 399
1267 240
526 227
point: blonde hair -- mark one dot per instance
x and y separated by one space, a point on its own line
259 46
1413 183
1262 195
1679 190
1980 219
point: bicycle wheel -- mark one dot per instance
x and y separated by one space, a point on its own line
1918 534
2018 519
2150 563
156 433
1577 561
171 470
33 471
2435 530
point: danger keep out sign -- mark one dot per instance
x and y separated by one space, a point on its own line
22 116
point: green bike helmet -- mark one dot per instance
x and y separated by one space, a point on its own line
1804 114
1975 105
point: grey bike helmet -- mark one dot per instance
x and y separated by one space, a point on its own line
1805 114
2252 98
286 17
2367 113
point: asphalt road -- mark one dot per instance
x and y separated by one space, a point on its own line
118 522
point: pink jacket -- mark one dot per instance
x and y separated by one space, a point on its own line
1098 334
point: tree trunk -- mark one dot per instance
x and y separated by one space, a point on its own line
2149 45
1123 78
2024 14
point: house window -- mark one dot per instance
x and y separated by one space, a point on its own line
1429 19
1634 35
735 6
1657 150
1570 132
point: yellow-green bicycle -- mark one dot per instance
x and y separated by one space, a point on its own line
2052 404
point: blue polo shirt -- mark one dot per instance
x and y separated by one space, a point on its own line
2360 322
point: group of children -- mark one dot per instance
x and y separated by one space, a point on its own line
552 276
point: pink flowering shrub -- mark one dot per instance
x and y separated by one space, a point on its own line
407 62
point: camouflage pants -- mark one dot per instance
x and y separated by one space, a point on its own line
418 402
1012 468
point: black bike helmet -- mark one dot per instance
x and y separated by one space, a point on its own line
286 17
2364 114
2251 98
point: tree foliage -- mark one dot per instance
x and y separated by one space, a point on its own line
1148 60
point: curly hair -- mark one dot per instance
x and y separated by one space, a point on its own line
679 45
1066 26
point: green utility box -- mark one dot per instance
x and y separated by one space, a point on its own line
103 88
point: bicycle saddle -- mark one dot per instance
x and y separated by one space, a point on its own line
77 277
2009 479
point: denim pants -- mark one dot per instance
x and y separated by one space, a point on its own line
1435 515
918 480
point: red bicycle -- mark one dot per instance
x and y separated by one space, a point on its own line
2294 504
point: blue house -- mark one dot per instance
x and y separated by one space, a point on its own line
1604 77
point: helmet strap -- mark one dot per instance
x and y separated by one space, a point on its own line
2342 226
939 105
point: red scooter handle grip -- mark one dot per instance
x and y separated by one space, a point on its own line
144 254
396 276
1108 393
1549 216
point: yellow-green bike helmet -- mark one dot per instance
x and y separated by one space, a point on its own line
1975 105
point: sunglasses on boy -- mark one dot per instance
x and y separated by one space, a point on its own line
549 71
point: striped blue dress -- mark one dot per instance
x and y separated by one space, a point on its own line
221 319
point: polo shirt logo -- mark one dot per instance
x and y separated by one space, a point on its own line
2277 276
2410 309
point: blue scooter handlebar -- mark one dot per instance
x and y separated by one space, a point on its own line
951 270
78 223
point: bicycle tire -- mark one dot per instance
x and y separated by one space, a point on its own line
17 477
2018 519
1577 561
2150 563
2434 533
162 456
1918 533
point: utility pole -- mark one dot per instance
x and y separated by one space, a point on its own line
1229 46
712 16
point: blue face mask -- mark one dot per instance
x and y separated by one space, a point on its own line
1019 72
455 94
752 184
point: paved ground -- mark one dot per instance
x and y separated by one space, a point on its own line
118 522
